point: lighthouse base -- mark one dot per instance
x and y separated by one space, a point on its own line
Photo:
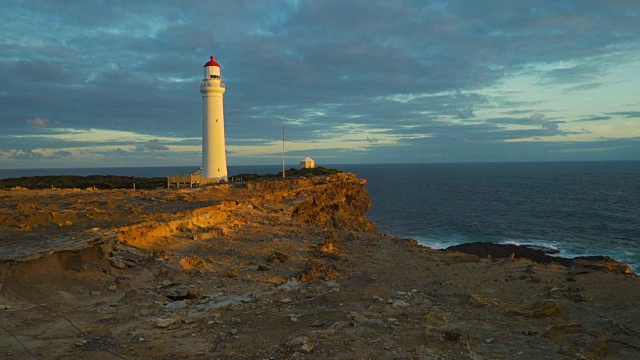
192 180
214 180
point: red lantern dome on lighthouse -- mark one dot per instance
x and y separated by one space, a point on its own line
212 62
212 69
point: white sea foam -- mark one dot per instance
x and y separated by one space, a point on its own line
440 243
532 243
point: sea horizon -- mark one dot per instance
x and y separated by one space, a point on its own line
10 172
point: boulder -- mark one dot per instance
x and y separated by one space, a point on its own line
117 262
180 292
164 323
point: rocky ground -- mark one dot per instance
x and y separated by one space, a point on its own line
280 270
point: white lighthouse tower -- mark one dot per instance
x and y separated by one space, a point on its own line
214 158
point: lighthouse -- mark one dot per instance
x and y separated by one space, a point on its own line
214 158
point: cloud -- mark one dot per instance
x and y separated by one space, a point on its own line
543 127
26 155
38 122
539 118
593 118
582 74
155 145
39 71
584 86
626 114
62 154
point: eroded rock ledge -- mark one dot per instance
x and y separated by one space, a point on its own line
41 222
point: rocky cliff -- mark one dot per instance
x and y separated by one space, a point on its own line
41 222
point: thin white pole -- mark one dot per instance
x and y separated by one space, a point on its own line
283 170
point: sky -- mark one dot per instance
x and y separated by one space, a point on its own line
116 83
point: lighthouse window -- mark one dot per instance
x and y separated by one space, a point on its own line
214 76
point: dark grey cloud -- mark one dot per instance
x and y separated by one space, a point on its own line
584 86
583 74
593 118
549 126
39 71
627 114
62 154
155 145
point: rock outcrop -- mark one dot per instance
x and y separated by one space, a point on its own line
541 256
340 203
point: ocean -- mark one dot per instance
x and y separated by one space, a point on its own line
578 208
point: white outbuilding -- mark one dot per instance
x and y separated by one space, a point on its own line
307 163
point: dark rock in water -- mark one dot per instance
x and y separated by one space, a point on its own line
501 251
541 256
546 250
